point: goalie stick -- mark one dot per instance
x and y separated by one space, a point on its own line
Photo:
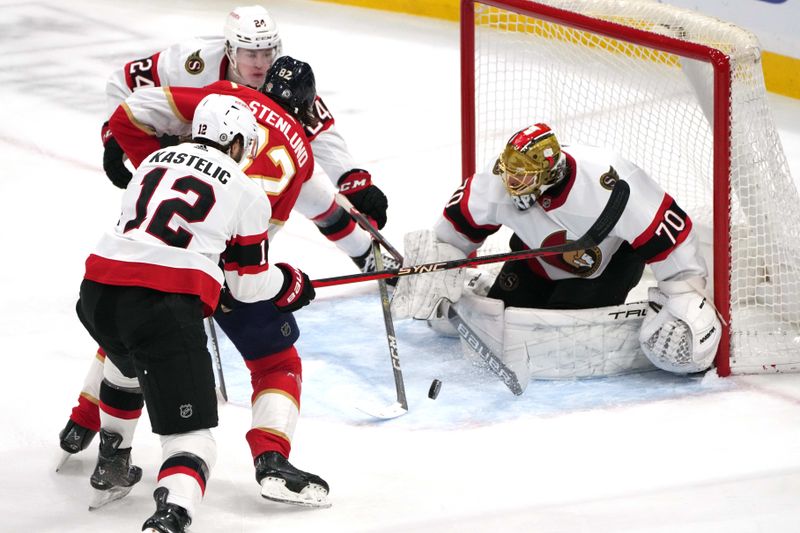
495 364
594 235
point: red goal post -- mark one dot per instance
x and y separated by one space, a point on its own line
681 95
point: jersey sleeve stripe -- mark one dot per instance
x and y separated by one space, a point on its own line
661 237
459 216
247 254
132 119
174 106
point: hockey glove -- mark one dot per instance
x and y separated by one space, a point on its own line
296 292
357 186
114 160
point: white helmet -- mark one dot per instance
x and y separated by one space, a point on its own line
252 28
219 118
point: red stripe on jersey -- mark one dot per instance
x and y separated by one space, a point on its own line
662 236
120 413
549 202
156 79
157 277
328 212
246 240
186 471
246 269
344 232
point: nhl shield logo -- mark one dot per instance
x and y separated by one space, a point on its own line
186 410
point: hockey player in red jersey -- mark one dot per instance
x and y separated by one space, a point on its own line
190 221
282 162
548 196
250 44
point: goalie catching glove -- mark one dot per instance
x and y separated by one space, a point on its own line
357 186
417 296
681 331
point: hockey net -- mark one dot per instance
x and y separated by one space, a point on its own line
680 94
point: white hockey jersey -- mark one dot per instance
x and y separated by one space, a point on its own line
202 61
188 208
657 229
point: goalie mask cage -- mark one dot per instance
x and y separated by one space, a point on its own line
680 94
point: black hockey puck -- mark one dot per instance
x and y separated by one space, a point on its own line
436 386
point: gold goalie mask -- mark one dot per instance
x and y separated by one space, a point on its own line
531 163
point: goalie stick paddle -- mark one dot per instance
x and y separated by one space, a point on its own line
594 235
495 364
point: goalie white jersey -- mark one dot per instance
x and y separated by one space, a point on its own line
201 61
653 224
186 209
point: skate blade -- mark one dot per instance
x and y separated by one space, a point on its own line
313 495
386 413
100 498
64 458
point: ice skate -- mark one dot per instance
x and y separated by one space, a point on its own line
73 439
366 263
168 518
282 482
114 476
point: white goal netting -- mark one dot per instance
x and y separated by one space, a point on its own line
657 109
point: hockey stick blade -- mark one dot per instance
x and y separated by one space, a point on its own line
385 413
498 368
605 222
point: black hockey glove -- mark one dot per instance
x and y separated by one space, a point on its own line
227 302
296 292
357 186
114 160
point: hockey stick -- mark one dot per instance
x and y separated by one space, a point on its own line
400 407
364 222
600 229
496 365
217 359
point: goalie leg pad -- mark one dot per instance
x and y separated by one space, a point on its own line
581 343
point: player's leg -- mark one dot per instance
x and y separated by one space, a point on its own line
120 399
84 420
265 338
169 347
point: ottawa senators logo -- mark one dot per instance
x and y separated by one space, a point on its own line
194 63
581 263
609 179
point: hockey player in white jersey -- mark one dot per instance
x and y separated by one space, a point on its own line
548 196
190 222
263 335
250 45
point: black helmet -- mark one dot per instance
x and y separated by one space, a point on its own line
291 84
